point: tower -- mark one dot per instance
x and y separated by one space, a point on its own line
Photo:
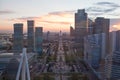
38 39
18 38
71 31
81 19
30 38
81 25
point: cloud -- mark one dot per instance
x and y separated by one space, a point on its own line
24 18
52 17
114 24
95 14
57 22
103 9
61 12
51 20
109 4
6 12
99 9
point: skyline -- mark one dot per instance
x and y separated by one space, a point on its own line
53 17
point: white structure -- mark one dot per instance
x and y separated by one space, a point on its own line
23 70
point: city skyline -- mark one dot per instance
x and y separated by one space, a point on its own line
90 51
53 17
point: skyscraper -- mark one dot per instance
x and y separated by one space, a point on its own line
118 40
18 38
71 31
81 19
38 39
81 25
115 71
48 36
101 25
30 24
112 67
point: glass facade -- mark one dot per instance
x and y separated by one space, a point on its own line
18 38
30 39
38 39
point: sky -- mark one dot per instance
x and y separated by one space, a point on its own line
55 15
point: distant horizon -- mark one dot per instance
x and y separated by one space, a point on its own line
114 25
26 32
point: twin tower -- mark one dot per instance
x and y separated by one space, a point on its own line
33 42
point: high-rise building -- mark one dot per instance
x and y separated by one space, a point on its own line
101 25
18 38
38 39
118 40
71 31
94 49
30 38
81 25
48 35
112 63
81 19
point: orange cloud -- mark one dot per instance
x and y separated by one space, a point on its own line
114 24
53 21
115 27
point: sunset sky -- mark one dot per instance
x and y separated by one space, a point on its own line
55 15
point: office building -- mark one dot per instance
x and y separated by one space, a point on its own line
18 38
38 39
48 36
112 61
102 25
90 27
94 49
94 52
117 40
30 38
71 31
81 19
81 25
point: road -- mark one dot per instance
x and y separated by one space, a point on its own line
60 66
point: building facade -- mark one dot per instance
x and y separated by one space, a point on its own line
101 25
38 39
94 52
94 49
81 25
18 38
30 38
71 31
112 61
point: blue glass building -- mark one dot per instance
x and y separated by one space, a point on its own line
38 39
30 39
18 38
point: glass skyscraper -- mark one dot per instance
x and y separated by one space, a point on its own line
38 39
18 38
81 25
30 38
